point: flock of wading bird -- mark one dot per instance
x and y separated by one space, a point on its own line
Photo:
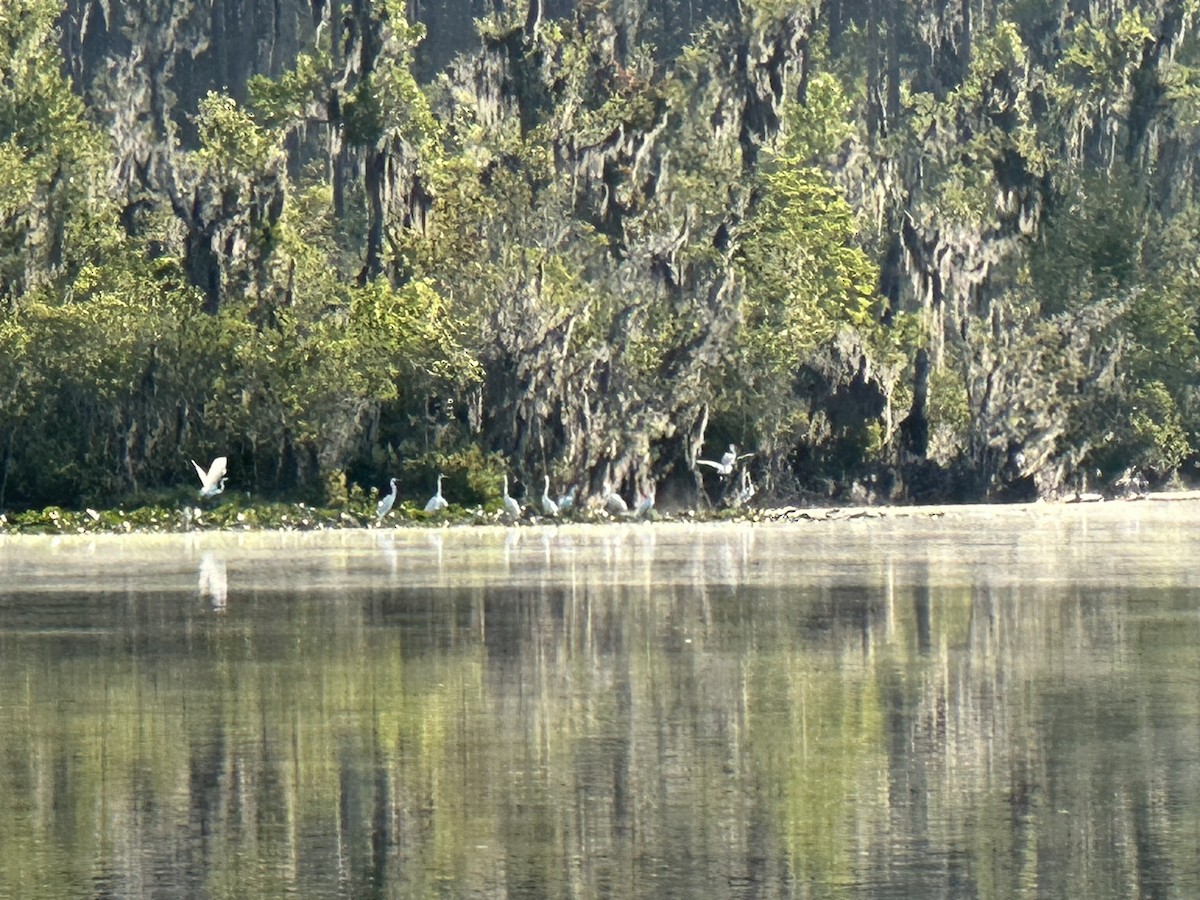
212 482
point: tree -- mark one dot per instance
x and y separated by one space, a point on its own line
806 280
56 213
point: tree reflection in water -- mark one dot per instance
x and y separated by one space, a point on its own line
979 706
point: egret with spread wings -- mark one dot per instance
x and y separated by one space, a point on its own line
213 481
728 461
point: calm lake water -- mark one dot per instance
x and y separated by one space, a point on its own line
995 703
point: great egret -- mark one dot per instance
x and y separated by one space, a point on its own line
613 502
567 500
549 507
645 501
511 506
728 461
384 506
437 502
213 481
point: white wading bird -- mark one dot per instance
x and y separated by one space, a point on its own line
437 502
567 500
384 506
511 507
213 481
645 501
549 507
728 461
613 502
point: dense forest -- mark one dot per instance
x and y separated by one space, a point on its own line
901 249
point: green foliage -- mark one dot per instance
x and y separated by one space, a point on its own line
1108 246
290 99
568 254
548 269
978 140
1028 379
1181 89
806 280
1091 248
473 476
948 413
821 125
1157 429
230 140
310 374
100 377
805 277
387 101
55 209
1104 53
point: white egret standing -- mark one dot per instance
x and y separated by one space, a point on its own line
213 481
511 506
384 506
614 502
567 500
549 507
437 502
645 501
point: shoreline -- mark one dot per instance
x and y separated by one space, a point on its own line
938 510
301 518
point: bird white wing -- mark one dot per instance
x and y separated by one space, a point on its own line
711 464
213 475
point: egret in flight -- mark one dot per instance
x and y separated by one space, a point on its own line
437 502
511 506
384 506
213 481
549 507
728 461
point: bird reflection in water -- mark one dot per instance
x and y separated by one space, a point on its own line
435 541
213 584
